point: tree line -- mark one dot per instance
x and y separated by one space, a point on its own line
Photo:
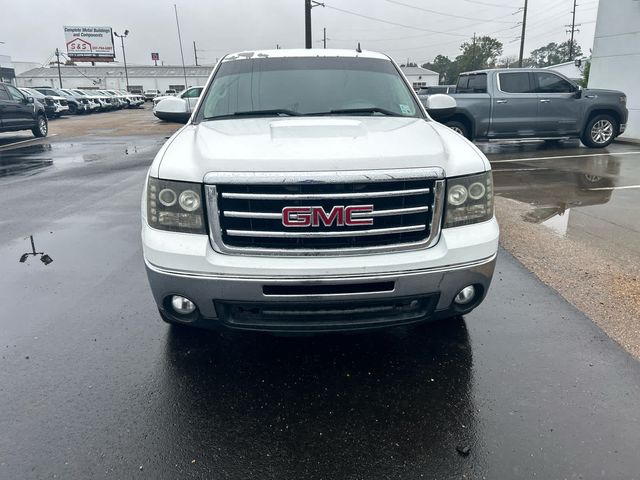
486 52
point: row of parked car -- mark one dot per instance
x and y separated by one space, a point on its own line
65 101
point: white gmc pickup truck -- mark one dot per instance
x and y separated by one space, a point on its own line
311 191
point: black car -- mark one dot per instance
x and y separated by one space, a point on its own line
21 112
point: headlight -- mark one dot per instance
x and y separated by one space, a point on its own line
175 206
469 200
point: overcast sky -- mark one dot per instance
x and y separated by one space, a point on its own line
32 29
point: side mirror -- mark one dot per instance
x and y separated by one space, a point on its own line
30 100
440 106
578 93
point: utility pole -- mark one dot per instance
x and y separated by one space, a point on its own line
573 29
524 28
195 52
324 39
308 5
58 63
473 57
124 55
184 70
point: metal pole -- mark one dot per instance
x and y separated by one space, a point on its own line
58 63
195 52
473 60
573 28
524 27
184 70
124 57
307 23
324 39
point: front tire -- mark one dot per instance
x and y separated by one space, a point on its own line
458 127
600 131
42 127
72 109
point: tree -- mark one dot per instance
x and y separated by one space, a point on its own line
585 74
553 53
481 52
442 65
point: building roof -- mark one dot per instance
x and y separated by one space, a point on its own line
117 71
417 71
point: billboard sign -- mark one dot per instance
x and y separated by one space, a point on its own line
89 44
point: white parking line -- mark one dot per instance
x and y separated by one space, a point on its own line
25 141
564 156
625 187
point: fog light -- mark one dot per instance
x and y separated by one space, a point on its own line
465 295
182 305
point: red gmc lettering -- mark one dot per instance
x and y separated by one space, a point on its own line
316 216
360 220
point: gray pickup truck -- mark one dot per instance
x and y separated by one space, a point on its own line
535 103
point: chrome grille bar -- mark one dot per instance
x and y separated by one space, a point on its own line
349 233
278 215
324 196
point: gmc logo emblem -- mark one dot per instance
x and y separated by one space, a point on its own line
315 216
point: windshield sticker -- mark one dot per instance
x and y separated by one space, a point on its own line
405 109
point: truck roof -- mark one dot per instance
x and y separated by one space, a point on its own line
487 70
303 52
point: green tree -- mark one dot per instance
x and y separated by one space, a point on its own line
585 74
553 53
442 65
482 52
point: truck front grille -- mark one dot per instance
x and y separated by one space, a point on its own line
246 213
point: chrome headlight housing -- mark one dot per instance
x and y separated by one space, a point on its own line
175 206
469 199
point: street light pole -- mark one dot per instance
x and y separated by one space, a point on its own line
524 30
124 55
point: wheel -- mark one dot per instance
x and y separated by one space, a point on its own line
458 127
600 131
73 109
42 127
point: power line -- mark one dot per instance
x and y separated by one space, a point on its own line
396 2
412 27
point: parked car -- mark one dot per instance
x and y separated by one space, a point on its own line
177 108
75 104
348 209
52 105
132 99
93 102
19 111
170 91
151 94
535 103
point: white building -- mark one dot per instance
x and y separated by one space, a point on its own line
615 62
420 77
573 70
113 77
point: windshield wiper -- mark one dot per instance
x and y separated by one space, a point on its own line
371 110
258 113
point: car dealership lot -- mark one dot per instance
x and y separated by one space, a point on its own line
93 385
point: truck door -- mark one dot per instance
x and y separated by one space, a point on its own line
514 106
16 112
559 111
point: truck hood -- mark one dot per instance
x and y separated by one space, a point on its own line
601 91
314 144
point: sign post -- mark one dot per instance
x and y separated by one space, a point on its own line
155 57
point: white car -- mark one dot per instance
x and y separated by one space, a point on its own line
311 191
177 108
93 103
55 105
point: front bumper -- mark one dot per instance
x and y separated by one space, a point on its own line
319 293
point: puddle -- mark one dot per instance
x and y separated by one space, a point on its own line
33 159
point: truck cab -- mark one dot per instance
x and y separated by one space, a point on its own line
535 103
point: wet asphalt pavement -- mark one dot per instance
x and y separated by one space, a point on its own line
93 385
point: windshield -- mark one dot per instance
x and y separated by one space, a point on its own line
307 86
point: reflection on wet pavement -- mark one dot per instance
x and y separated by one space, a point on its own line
588 194
30 159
